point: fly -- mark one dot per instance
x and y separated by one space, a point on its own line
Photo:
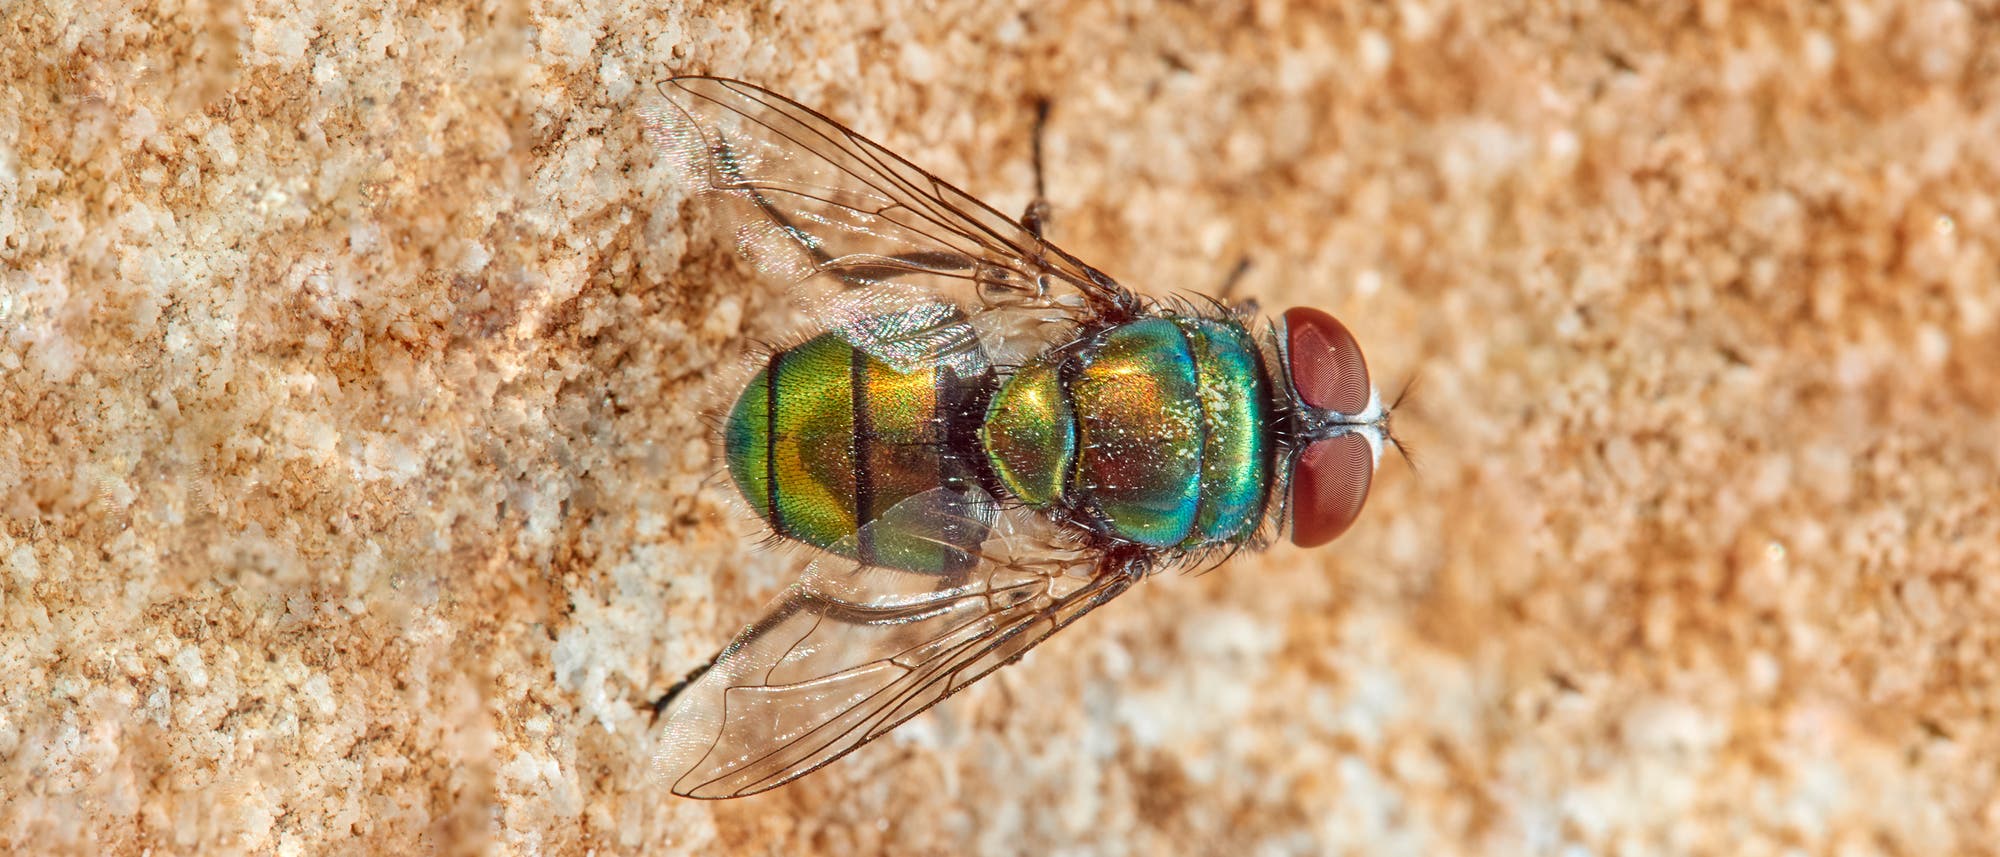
987 439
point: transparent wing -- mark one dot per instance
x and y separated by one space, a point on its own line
852 650
816 203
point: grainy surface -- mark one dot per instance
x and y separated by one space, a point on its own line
353 494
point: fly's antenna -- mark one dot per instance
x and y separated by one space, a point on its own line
1388 429
1408 387
1403 449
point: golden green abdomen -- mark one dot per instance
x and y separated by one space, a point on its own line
827 439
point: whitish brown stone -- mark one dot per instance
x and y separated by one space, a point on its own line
354 497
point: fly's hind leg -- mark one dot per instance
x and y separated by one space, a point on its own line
667 699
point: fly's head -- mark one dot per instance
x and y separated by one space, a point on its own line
1335 420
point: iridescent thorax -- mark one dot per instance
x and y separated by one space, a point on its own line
1153 431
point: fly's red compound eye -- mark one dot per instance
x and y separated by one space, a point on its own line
1329 485
1326 363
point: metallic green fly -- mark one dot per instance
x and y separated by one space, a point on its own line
986 440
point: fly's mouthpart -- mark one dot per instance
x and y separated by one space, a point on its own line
1324 422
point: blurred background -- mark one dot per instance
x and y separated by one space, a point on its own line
354 494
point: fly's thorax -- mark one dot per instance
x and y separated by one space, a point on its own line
1154 432
827 439
1236 403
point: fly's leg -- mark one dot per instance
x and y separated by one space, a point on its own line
1036 217
666 699
1103 297
1246 306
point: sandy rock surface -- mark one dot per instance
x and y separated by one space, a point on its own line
354 494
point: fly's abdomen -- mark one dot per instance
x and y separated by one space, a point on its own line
827 439
1156 430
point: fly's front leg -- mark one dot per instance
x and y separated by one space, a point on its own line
1246 307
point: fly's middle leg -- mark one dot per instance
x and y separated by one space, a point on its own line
1036 217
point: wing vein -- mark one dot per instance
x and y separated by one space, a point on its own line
884 173
904 691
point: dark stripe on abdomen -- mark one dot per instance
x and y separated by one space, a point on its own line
770 444
864 437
